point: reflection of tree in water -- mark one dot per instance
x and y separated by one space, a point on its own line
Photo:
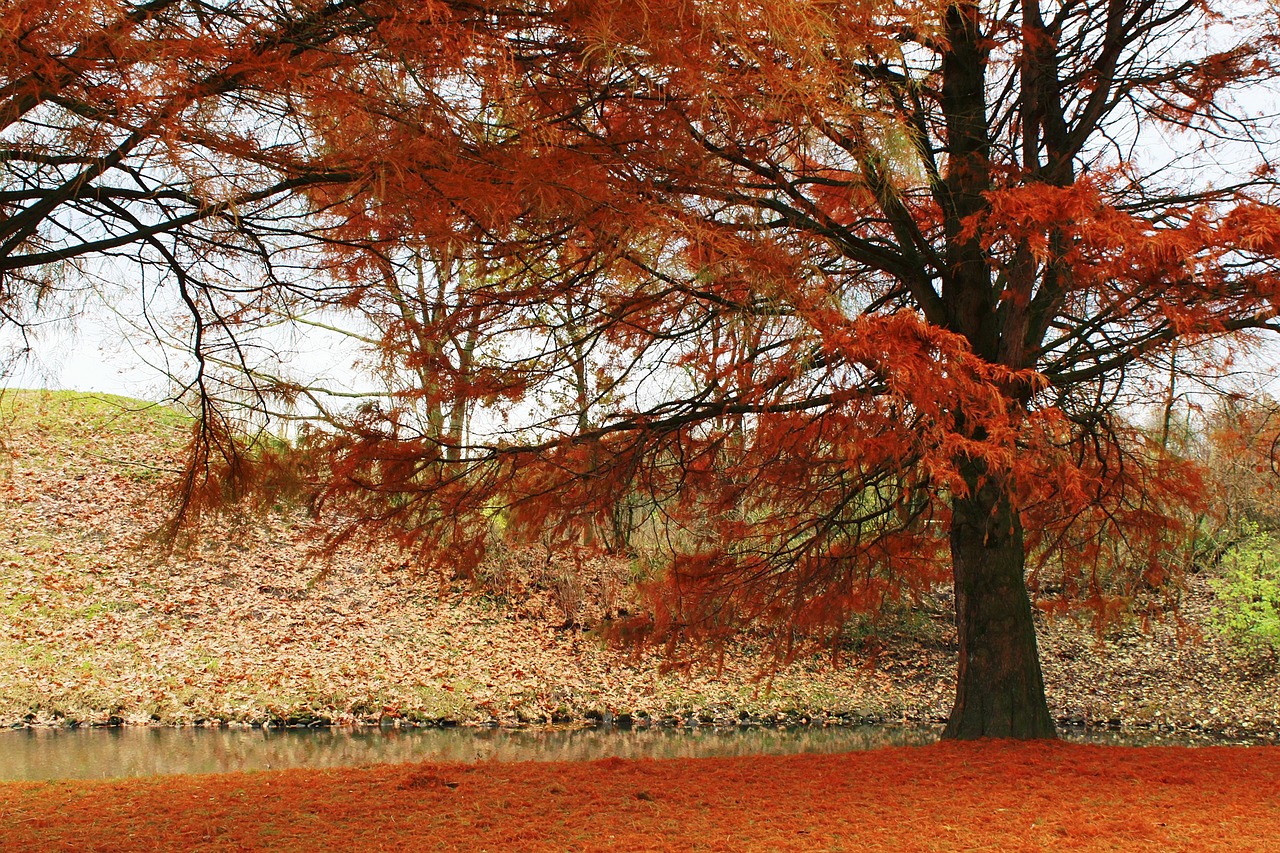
54 753
58 753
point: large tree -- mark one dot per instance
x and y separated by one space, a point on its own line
856 289
865 282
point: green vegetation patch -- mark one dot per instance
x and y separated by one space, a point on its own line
61 424
1249 592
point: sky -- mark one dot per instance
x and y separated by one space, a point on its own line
100 353
92 355
112 352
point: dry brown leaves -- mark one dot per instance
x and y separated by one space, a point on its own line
250 624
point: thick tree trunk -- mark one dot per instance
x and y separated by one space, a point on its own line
1000 689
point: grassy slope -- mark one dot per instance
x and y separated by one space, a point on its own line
984 796
249 625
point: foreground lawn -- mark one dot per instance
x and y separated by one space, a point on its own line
990 796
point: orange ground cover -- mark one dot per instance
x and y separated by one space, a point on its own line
985 796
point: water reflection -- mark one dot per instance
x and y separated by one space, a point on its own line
104 753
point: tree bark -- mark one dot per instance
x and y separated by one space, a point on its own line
999 688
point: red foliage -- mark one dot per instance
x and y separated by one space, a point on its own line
824 291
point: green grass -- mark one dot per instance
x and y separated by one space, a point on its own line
112 428
70 413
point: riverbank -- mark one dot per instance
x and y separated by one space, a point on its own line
990 795
251 627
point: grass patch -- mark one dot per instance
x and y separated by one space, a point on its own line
434 703
69 413
130 435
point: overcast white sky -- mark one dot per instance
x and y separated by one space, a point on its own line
98 352
93 355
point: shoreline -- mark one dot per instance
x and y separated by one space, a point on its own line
1066 730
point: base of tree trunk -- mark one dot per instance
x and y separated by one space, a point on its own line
999 688
984 712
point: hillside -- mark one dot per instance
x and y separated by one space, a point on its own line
251 625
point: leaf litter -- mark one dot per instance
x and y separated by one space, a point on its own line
989 795
250 625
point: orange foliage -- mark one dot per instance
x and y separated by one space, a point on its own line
991 795
842 296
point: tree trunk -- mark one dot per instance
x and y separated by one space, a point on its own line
999 688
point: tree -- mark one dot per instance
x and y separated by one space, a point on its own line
121 133
869 285
947 238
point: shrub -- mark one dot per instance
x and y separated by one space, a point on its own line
1249 591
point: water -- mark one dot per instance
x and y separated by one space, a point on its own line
34 754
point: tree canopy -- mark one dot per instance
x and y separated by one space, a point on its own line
847 298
